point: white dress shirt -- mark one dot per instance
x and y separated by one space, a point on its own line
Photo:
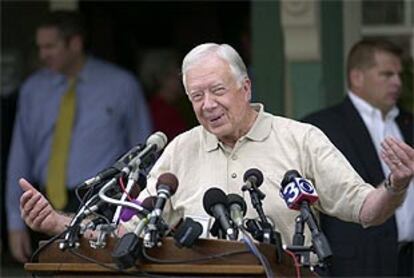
379 129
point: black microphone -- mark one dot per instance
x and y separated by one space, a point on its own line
215 204
253 178
115 168
128 248
237 207
298 194
155 143
166 186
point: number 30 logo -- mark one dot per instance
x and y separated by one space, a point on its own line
291 192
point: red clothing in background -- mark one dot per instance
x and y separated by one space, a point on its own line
166 117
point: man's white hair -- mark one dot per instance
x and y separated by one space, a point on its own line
224 51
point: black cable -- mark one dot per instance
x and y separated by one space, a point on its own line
207 258
41 247
110 267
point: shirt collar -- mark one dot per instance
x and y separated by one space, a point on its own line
84 74
366 109
258 132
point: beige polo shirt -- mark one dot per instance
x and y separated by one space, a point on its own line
274 145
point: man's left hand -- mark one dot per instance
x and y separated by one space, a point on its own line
400 159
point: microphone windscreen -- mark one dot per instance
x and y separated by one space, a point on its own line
149 203
127 213
158 139
168 179
253 174
212 197
234 199
138 186
289 176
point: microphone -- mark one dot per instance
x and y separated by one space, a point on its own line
187 233
155 143
115 168
129 246
296 190
215 204
237 207
266 233
298 194
166 187
253 178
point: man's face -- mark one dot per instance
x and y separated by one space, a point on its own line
380 85
218 100
57 54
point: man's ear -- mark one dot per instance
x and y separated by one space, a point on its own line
76 43
356 78
247 88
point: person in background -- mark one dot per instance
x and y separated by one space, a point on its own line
159 72
357 126
75 116
235 135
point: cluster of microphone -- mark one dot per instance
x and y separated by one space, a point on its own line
107 190
298 193
108 195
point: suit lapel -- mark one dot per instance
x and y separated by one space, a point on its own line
406 124
362 142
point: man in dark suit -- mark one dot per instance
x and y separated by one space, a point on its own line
357 126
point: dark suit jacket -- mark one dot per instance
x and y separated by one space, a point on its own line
358 251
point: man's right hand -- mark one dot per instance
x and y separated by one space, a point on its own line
19 243
37 212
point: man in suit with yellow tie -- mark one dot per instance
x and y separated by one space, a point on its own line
74 118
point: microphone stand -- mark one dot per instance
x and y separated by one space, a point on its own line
71 239
302 253
270 236
217 231
320 244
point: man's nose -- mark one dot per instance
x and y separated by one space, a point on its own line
396 80
43 53
209 101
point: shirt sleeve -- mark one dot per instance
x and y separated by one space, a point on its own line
19 163
341 190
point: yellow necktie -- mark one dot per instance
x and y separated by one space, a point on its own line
58 159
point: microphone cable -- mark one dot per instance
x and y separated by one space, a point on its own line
295 262
246 238
41 247
196 260
122 186
109 266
